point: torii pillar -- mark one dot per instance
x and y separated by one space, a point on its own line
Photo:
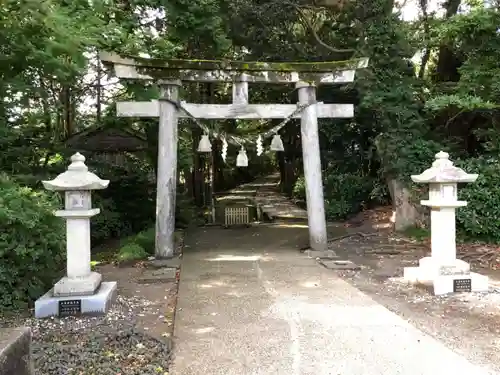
166 175
312 167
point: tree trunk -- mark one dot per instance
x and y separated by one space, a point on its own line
448 63
98 90
67 110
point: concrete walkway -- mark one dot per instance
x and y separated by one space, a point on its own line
250 303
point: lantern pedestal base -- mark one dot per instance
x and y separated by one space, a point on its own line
452 277
95 304
77 286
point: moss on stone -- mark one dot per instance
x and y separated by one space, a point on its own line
225 70
245 66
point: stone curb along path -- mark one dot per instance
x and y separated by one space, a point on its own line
158 271
15 351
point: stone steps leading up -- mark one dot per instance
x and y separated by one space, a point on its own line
273 204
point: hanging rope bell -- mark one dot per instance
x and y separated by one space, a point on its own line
277 144
242 159
204 145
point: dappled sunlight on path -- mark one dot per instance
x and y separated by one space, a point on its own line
251 303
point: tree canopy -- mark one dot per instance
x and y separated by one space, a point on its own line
433 84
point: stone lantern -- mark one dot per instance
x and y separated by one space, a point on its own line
442 269
81 290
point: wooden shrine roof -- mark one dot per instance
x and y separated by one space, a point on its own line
102 139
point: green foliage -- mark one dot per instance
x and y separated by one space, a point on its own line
420 234
185 212
390 96
481 217
344 193
460 102
94 264
32 243
128 204
130 252
146 239
407 108
414 155
203 16
476 38
110 223
299 189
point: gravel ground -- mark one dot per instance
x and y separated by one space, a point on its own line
112 344
468 323
133 338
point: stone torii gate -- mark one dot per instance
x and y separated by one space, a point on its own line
169 75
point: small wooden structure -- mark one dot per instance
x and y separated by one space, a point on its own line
169 75
108 144
104 139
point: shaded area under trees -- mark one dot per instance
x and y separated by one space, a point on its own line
433 83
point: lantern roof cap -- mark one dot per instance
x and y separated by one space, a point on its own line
443 171
77 177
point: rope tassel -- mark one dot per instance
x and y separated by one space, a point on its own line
224 149
260 147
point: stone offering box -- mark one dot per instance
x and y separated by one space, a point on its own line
81 291
442 270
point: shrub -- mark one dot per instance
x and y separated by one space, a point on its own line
186 212
131 251
146 239
481 217
32 243
299 189
128 204
344 193
108 224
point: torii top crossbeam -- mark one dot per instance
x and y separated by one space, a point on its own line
128 67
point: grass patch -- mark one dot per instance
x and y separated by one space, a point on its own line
146 239
105 256
131 248
131 252
94 264
419 234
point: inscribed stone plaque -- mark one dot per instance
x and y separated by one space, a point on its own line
70 307
462 285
